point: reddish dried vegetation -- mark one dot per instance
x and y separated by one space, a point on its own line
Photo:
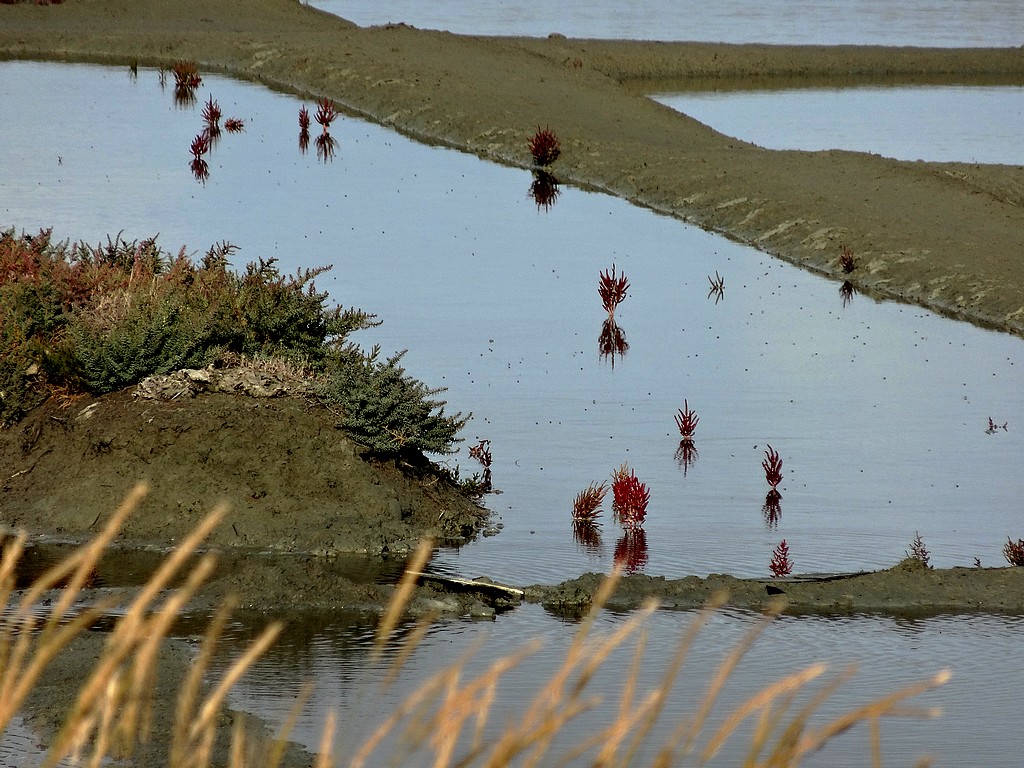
586 507
781 565
545 147
772 467
1014 553
630 498
687 420
612 289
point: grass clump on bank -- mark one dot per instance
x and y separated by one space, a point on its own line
76 318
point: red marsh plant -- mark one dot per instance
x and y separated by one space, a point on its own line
586 507
186 80
545 147
612 290
234 125
687 420
1014 553
200 145
630 498
918 551
847 260
544 190
781 565
186 75
772 467
326 112
211 116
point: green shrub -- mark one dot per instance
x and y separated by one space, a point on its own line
387 410
102 318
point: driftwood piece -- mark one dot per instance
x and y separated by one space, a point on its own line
481 585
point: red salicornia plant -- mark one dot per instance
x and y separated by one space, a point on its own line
545 147
325 112
1014 553
234 125
687 420
918 551
612 289
847 260
772 467
630 498
212 115
186 75
781 565
200 145
303 119
586 507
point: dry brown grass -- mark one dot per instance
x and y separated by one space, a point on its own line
445 721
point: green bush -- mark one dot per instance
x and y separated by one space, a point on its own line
102 318
387 410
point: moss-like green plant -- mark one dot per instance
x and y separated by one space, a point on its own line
387 410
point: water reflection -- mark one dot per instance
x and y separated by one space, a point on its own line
611 342
326 146
588 535
686 455
544 189
847 291
717 288
631 550
772 508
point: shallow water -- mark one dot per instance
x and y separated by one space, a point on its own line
878 410
975 124
943 23
880 424
887 653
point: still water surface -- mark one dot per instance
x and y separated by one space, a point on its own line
880 421
942 23
977 124
878 410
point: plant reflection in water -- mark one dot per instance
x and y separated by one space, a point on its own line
544 190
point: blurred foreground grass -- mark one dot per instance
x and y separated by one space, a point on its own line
443 723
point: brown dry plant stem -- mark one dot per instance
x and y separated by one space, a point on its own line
112 711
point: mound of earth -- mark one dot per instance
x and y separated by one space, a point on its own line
292 479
